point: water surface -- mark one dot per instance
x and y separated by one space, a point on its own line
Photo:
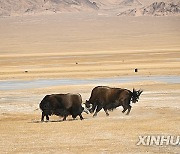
42 83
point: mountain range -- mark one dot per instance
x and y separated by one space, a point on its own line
155 9
20 7
118 7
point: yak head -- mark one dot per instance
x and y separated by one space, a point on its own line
89 106
135 95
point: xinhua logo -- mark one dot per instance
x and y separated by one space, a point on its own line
159 140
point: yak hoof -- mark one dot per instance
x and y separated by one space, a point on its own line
64 119
81 117
95 115
107 114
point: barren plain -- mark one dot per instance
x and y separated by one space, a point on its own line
80 51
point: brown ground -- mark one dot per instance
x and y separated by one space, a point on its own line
101 49
115 134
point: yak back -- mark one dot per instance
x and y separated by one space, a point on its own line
68 100
104 94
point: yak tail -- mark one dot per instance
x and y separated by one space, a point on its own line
41 106
44 104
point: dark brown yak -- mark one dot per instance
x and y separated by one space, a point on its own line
110 98
61 105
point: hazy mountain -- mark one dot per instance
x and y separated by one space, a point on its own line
161 9
69 5
19 7
130 2
155 9
15 7
113 7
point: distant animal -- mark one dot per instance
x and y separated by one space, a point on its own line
62 105
110 98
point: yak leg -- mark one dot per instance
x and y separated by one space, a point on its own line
99 107
74 116
64 119
105 110
47 117
81 117
129 109
126 105
124 109
42 118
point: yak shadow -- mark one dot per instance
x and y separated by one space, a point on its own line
51 121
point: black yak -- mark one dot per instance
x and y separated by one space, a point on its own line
109 98
61 105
